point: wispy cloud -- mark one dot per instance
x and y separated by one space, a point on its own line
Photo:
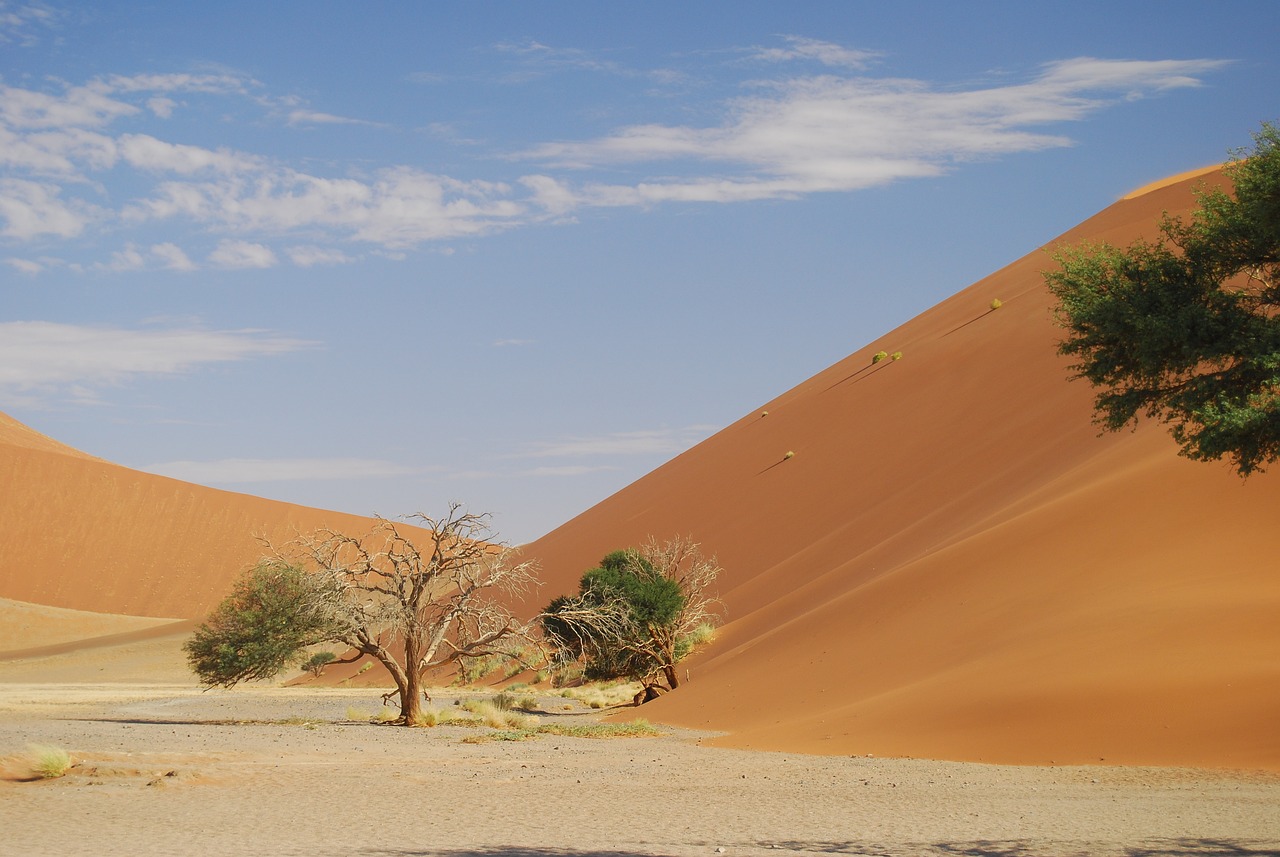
567 470
661 441
42 361
23 23
834 133
232 253
249 470
826 53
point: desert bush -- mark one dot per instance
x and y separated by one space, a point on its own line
897 355
317 662
639 728
386 715
504 701
790 455
358 715
48 761
996 303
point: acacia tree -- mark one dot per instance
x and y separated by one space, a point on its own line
639 614
1187 329
412 607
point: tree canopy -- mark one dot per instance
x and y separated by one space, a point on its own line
638 614
1186 329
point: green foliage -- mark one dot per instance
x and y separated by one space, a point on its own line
272 615
1187 330
878 356
996 303
317 662
648 600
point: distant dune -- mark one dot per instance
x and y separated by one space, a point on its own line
952 565
81 533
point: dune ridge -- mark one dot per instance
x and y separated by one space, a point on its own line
955 565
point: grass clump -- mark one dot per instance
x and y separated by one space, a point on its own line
603 695
386 715
996 303
497 718
639 728
48 761
358 715
878 356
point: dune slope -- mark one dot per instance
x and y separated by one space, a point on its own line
84 534
955 565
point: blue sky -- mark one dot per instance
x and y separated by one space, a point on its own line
377 257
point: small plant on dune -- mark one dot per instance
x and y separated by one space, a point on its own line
897 355
48 761
790 455
317 662
996 303
878 356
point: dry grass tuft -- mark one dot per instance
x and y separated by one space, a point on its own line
48 761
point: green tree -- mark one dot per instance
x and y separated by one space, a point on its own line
414 606
638 614
274 612
1186 330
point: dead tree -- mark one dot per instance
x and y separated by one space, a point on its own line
415 607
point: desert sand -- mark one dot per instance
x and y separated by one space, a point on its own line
163 768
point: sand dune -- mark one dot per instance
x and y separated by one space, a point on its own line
84 534
952 565
955 565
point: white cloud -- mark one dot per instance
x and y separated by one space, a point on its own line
173 257
306 255
30 209
46 359
645 442
128 259
314 117
148 153
241 254
801 48
161 106
25 266
834 133
247 470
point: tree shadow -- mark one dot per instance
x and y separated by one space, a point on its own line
969 322
1185 847
504 851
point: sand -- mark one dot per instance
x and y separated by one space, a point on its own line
160 770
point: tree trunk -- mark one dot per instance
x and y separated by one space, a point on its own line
411 697
673 680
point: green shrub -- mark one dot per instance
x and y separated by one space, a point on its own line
878 356
997 303
317 662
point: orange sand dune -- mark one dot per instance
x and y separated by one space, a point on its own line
954 564
81 533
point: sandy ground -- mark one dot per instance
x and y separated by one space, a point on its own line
168 769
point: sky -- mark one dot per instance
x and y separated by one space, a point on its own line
379 257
